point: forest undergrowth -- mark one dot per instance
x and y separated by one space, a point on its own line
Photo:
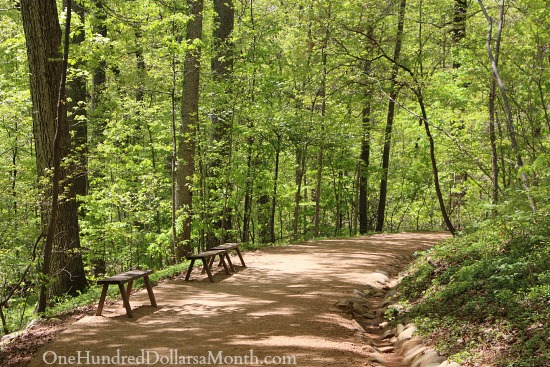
484 297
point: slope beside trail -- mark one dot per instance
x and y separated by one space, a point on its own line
281 306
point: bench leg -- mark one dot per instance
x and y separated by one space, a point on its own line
125 300
210 262
102 300
240 256
149 291
224 263
189 269
205 264
129 288
230 262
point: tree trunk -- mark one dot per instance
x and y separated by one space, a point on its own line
365 147
458 31
389 121
185 167
506 103
323 95
99 75
222 117
43 37
272 237
77 115
317 215
433 161
298 179
247 216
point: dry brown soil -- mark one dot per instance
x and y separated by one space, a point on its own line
281 306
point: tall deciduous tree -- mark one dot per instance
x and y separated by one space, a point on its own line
63 260
76 106
222 117
185 165
394 89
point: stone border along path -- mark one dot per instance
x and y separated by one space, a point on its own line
288 302
389 347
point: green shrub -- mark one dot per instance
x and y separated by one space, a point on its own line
488 289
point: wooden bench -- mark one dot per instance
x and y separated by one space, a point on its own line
120 280
231 246
207 257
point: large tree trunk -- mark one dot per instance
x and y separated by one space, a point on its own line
222 117
389 121
185 167
43 37
76 105
99 76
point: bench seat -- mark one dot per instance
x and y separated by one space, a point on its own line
120 280
229 247
205 257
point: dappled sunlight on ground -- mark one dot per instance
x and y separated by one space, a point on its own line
280 305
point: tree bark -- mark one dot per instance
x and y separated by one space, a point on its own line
185 166
77 114
433 161
272 237
298 179
99 75
62 257
222 117
365 145
390 117
506 103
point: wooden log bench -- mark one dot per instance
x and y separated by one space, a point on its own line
229 247
120 280
207 257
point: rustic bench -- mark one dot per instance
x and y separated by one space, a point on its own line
231 246
120 280
207 257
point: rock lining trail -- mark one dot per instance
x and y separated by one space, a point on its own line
320 302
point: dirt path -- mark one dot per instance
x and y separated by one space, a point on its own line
282 306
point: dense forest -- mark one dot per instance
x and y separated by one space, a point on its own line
134 132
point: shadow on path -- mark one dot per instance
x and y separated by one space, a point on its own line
280 307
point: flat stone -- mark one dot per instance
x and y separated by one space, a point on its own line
388 334
448 364
406 345
412 354
371 349
343 303
382 272
380 277
429 356
369 315
407 333
359 308
399 329
384 303
388 349
360 293
377 358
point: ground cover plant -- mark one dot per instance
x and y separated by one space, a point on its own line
485 296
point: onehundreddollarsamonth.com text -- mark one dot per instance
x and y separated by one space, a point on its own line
172 357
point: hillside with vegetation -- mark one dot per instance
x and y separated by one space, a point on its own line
133 133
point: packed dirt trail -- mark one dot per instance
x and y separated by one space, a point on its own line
281 306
